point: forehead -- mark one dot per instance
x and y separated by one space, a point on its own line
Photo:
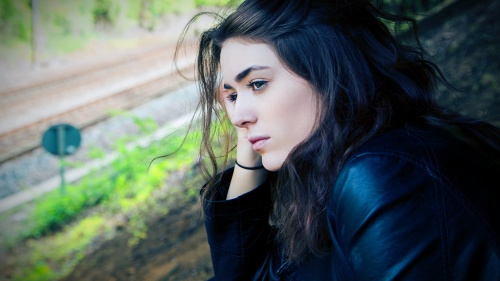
237 55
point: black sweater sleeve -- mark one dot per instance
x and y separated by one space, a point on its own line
239 233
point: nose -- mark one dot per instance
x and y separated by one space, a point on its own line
244 114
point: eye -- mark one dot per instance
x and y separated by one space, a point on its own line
257 85
232 97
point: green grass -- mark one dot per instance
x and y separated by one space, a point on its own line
62 225
64 249
215 3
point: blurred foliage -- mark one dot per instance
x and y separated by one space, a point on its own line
122 185
82 16
63 224
413 9
14 20
211 3
409 7
67 26
64 249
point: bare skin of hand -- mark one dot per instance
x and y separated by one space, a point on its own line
245 180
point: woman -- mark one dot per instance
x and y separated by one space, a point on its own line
346 169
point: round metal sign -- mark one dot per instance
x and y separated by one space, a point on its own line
61 139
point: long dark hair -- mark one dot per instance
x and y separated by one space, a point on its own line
367 83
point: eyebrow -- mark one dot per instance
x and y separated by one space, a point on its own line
244 74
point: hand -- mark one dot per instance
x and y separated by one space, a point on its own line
245 154
244 180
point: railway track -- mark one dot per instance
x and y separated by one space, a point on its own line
86 96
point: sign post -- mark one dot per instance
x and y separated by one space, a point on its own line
61 140
34 31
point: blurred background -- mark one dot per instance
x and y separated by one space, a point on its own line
94 81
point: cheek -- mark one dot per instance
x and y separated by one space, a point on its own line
303 124
300 107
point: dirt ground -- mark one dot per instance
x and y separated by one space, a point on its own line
466 47
175 249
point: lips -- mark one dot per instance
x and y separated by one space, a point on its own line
258 142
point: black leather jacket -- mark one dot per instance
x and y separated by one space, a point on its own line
412 204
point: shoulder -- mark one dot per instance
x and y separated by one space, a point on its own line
418 177
390 164
422 158
407 202
448 155
386 174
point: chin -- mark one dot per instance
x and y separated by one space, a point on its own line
271 164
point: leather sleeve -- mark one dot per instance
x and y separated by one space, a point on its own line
393 218
239 233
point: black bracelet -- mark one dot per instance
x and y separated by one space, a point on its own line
249 168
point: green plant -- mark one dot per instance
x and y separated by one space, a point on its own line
215 3
15 21
125 188
64 249
7 11
410 7
120 186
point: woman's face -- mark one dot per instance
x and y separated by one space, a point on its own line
275 107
